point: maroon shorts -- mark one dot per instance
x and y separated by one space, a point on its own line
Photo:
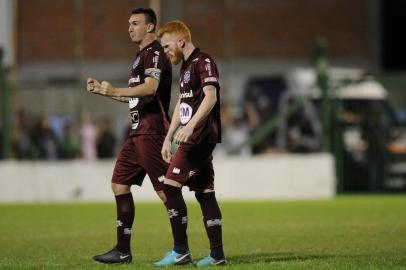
192 165
141 155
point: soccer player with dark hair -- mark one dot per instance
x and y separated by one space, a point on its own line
148 97
197 113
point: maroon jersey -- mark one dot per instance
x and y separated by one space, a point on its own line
149 115
198 71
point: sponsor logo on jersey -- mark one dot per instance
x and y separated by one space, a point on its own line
132 102
210 79
134 80
127 231
187 94
135 119
136 62
185 111
176 170
213 222
186 77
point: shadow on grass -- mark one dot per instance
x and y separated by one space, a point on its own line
274 257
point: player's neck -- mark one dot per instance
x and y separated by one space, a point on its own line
149 38
187 51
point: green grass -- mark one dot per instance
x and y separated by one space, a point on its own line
350 232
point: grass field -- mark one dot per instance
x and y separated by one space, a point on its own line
349 232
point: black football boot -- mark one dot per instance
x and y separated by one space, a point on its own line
114 256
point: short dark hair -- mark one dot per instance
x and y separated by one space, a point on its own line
150 16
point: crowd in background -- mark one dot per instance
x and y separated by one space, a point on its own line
62 137
40 137
56 137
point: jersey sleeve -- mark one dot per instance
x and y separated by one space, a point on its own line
208 72
153 64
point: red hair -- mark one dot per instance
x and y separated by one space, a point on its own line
177 28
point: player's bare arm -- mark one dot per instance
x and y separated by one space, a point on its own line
148 88
202 112
121 99
166 147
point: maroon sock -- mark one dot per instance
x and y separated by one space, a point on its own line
178 217
125 219
212 222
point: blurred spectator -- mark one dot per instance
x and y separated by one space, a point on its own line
45 140
57 124
301 130
21 132
70 142
261 102
88 138
236 130
106 140
304 133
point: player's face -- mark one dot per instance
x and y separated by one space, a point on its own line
137 28
172 48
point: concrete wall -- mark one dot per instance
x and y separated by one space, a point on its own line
257 178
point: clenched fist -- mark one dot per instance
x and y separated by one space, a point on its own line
106 89
92 85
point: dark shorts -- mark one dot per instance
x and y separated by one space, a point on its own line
192 165
141 155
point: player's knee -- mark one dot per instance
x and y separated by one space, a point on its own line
161 195
120 189
205 195
172 183
199 196
172 191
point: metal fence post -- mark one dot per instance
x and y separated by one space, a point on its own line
321 67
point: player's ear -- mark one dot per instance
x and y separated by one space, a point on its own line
181 43
150 28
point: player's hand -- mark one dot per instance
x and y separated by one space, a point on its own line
106 88
166 151
183 134
92 85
